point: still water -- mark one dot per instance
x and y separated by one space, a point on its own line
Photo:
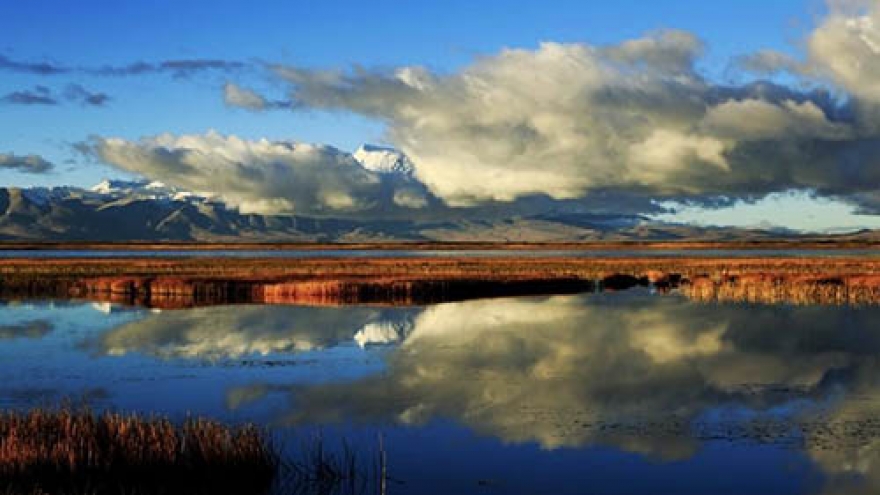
620 393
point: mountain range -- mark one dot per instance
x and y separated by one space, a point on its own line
148 211
142 210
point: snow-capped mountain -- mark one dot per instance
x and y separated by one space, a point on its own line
141 210
42 196
145 189
383 160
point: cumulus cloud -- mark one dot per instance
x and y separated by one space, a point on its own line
262 176
846 47
31 164
565 120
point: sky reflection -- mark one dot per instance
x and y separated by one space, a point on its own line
585 378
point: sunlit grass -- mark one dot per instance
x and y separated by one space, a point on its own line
78 452
68 451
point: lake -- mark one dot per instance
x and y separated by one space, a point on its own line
624 393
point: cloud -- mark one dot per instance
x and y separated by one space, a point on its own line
263 176
566 120
77 93
31 164
38 68
179 68
770 62
237 96
846 47
39 95
563 122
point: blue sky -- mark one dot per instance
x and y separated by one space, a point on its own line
441 36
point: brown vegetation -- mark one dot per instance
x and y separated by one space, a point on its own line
183 282
774 289
72 452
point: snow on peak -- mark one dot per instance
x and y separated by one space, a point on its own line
111 186
383 160
147 189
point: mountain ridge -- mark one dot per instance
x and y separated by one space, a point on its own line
129 214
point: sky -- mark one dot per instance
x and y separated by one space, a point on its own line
687 111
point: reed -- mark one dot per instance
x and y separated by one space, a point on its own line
68 451
179 283
315 469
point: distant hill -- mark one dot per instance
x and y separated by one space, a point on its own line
149 211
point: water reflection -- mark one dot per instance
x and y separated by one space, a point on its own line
658 376
33 329
237 331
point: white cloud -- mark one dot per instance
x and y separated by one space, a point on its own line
236 96
846 46
565 120
259 176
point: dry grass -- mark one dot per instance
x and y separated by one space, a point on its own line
171 283
78 452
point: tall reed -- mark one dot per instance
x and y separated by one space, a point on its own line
79 452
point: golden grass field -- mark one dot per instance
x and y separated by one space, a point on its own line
181 282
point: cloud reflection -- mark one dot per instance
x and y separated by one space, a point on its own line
237 331
34 329
636 373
